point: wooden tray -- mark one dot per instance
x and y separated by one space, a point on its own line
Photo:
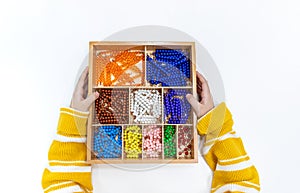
103 67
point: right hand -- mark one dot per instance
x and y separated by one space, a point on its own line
205 102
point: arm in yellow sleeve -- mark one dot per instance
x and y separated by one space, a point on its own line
67 170
224 152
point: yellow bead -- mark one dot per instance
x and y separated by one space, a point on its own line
133 141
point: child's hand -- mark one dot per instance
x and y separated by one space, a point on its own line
80 101
206 102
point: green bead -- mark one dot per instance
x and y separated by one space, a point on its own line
169 141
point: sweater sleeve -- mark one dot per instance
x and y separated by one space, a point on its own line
224 152
68 170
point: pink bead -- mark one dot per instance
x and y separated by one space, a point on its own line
152 141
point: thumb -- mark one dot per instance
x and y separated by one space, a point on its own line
194 103
90 99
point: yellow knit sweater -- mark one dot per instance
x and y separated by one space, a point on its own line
223 151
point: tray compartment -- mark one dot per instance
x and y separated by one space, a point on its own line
119 65
168 66
152 142
177 110
112 106
185 142
107 142
132 136
145 106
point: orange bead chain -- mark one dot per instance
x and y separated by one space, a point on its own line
114 64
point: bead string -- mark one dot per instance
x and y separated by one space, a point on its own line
133 142
167 67
170 141
176 107
145 105
152 145
112 106
114 67
108 142
185 142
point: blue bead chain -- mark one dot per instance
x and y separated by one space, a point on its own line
168 67
108 141
176 107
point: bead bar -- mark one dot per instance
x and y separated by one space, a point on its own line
142 115
133 141
108 142
170 141
145 106
112 106
185 142
177 109
152 141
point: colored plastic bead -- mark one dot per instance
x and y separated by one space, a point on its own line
176 107
185 142
108 142
168 67
112 106
152 141
133 142
145 105
113 67
170 141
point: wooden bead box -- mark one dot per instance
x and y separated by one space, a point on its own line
142 115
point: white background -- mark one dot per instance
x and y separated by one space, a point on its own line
255 45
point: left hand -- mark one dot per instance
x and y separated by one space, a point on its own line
205 102
80 101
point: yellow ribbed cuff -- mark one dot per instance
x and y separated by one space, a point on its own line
72 122
212 121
